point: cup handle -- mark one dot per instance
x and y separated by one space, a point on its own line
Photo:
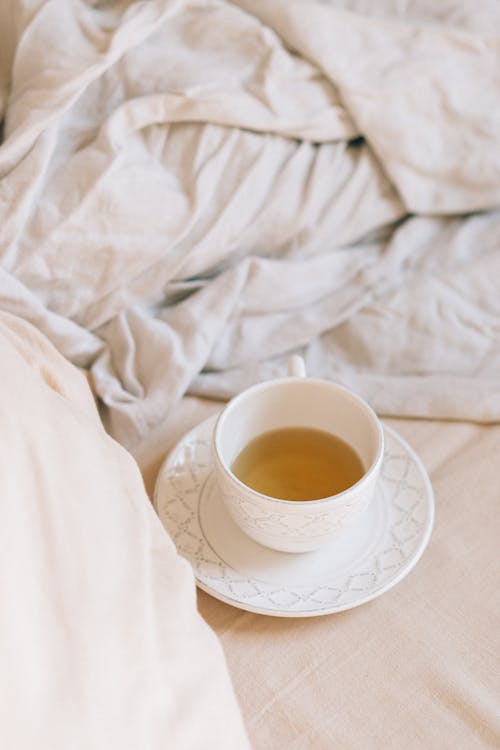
296 366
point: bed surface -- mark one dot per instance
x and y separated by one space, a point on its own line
416 668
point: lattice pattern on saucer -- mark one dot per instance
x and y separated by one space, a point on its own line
185 491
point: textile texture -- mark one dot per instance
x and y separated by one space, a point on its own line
101 643
192 189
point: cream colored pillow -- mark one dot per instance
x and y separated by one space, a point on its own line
101 645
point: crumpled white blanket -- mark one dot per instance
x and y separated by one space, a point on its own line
192 189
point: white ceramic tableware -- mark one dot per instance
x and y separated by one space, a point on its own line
367 559
296 401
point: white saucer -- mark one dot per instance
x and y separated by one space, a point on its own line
364 562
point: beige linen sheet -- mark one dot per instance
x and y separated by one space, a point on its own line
417 668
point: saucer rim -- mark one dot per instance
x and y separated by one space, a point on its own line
283 612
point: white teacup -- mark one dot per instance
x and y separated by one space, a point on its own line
296 401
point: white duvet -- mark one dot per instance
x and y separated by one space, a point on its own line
192 189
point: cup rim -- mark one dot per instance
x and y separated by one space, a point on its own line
288 379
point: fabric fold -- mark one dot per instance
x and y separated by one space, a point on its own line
229 182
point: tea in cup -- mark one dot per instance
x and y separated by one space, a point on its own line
297 460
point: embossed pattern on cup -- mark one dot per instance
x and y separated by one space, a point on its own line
294 527
296 401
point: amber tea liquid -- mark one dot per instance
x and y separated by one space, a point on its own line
298 463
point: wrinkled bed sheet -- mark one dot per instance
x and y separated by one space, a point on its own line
192 189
